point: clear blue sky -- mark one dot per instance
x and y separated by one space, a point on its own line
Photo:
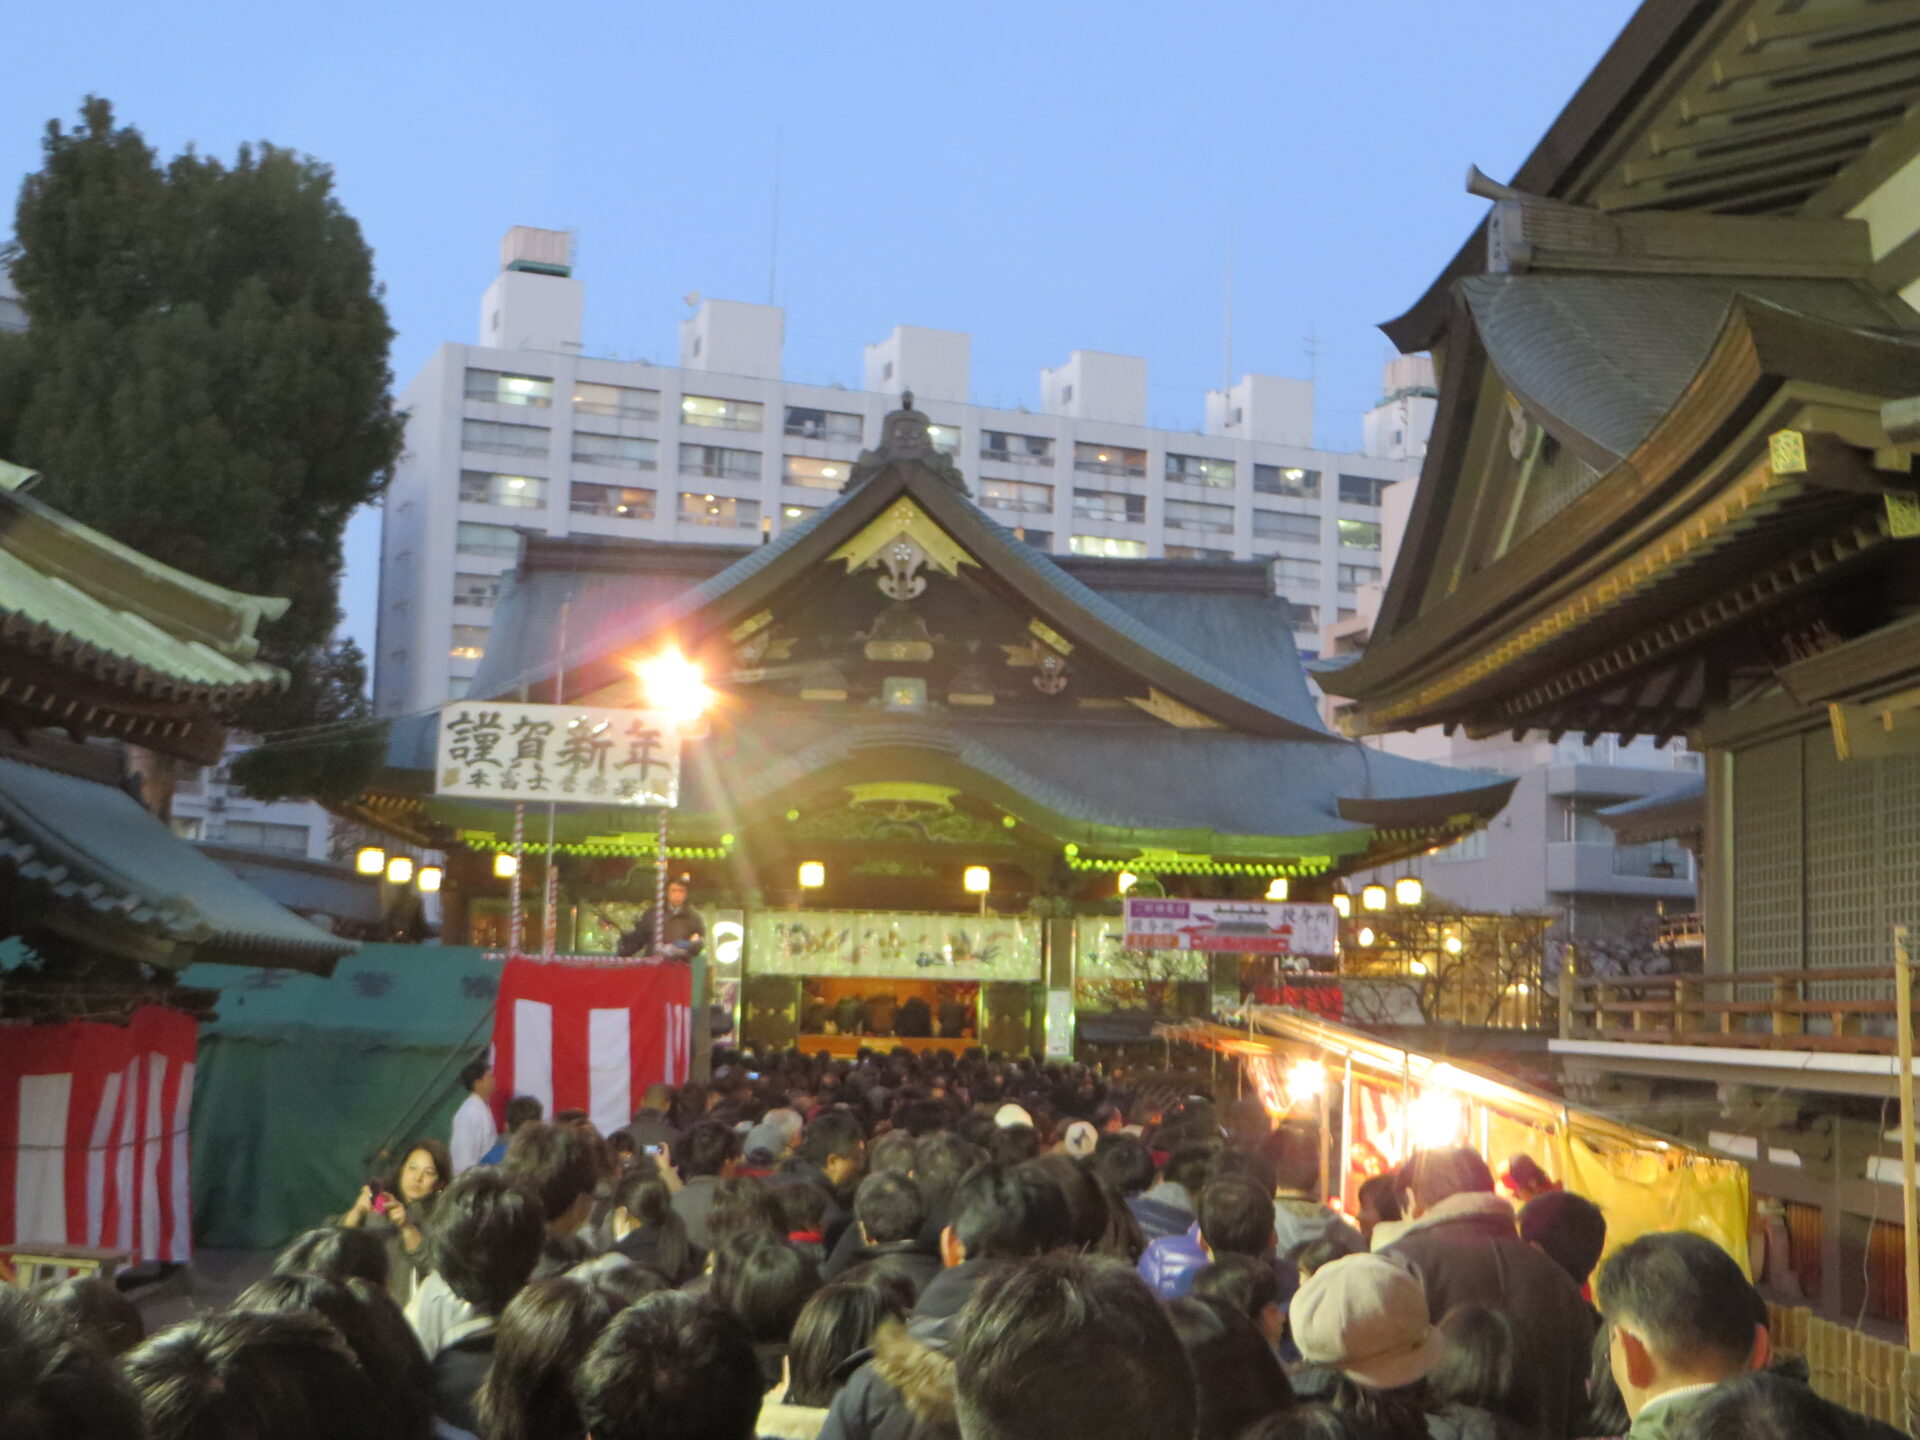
1048 177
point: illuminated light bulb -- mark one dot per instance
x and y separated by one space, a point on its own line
977 879
1277 888
1373 897
813 875
400 870
1343 903
1127 880
673 683
1435 1120
1408 890
506 865
369 860
1417 967
1305 1080
1453 945
430 878
1365 937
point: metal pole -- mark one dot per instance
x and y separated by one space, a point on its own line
1903 998
550 916
1346 1132
514 936
1326 1129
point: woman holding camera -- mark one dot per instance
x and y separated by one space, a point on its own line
399 1208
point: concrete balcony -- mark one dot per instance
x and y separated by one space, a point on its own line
1593 867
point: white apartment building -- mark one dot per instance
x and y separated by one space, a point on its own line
523 432
210 808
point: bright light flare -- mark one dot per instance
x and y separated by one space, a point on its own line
978 879
400 870
1342 904
1126 880
1408 890
675 685
1277 888
1436 1119
1306 1079
1373 897
430 878
813 874
506 865
369 860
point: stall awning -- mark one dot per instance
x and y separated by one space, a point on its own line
92 864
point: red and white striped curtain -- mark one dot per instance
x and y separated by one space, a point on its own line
589 1037
93 1134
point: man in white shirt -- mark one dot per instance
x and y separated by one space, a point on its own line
473 1128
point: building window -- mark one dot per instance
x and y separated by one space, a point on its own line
944 438
187 827
1109 460
261 835
496 387
824 424
1289 480
816 474
626 452
1289 570
469 642
617 401
1197 552
1105 546
618 501
1352 577
1109 505
717 463
1066 394
1359 534
718 414
1196 515
1285 525
1016 495
476 590
1361 490
499 542
1013 449
721 510
516 492
503 439
1472 846
1039 539
792 515
1301 617
1200 470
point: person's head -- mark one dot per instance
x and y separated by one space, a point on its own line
1065 1345
1367 1318
1005 1214
1436 1175
837 1145
1125 1161
253 1375
765 1282
834 1327
1526 1179
1242 1283
426 1168
486 1237
1481 1365
1236 1217
1569 1228
1294 1151
1302 1422
375 1331
891 1154
93 1308
1377 1203
659 1099
671 1367
709 1148
743 1205
888 1208
544 1334
1236 1376
55 1385
1187 1166
802 1206
522 1110
476 1077
1763 1407
1681 1313
1013 1144
940 1162
559 1164
678 891
1086 1202
338 1252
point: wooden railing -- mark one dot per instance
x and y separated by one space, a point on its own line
1850 1368
1723 1009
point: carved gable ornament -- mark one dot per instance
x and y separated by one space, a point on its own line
900 543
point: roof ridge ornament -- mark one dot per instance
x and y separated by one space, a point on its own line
904 437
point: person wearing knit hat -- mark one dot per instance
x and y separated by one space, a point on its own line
1080 1139
1010 1115
1367 1318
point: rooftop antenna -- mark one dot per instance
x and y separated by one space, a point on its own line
1313 354
1226 359
773 235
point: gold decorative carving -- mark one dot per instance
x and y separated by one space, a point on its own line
1163 706
1045 632
902 540
750 625
901 792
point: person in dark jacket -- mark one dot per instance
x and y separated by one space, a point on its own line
914 1019
709 1153
1462 1244
888 1213
682 937
652 1126
905 1392
833 1156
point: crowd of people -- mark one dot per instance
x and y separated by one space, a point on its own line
934 1247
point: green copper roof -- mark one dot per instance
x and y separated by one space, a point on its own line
91 604
107 870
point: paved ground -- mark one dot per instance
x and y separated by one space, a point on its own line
210 1282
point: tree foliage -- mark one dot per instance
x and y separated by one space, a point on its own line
205 375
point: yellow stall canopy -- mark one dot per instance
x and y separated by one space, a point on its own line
1389 1101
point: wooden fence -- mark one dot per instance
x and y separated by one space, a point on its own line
1873 1377
1723 1009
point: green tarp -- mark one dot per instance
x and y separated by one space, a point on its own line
301 1078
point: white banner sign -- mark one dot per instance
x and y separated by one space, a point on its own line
1263 927
569 754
